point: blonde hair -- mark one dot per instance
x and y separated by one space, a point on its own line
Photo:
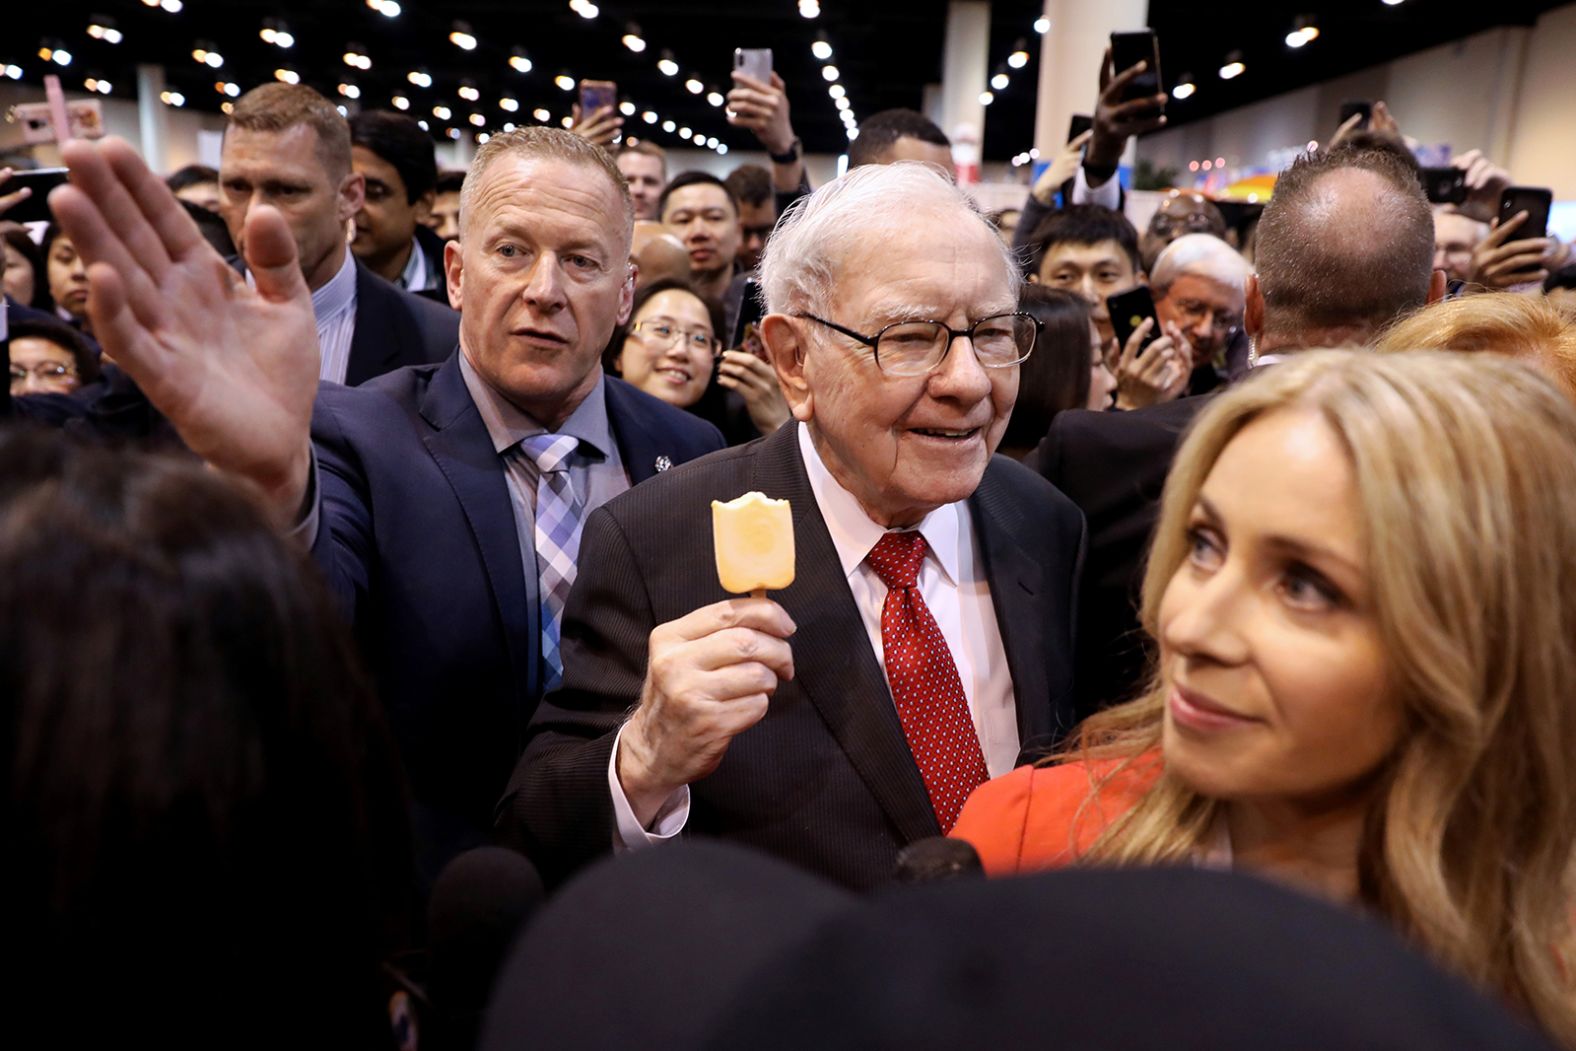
1529 328
557 144
1466 472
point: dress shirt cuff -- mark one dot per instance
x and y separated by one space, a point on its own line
304 532
1108 194
627 831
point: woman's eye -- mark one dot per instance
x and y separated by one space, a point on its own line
1307 589
1202 549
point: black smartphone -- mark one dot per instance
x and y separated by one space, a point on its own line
35 209
1127 51
749 319
1080 123
1535 201
1128 311
595 95
1444 185
1354 107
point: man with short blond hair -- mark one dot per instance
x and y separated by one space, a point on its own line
287 147
644 166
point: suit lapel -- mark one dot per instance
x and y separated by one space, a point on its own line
379 341
1016 580
464 452
833 665
644 447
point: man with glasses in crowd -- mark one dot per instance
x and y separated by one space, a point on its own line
925 641
1181 212
1198 286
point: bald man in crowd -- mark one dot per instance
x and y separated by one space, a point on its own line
1345 248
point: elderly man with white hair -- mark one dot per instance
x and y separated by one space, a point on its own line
1199 285
926 639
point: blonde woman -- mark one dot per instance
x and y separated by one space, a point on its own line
1363 586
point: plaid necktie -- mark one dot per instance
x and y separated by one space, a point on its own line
931 704
557 538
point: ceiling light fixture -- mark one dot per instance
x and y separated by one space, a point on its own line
830 73
810 8
822 48
172 98
401 102
509 105
102 28
715 98
1042 25
467 91
275 33
386 8
667 66
633 40
565 82
286 75
694 86
1020 54
460 36
356 57
986 98
1000 81
519 62
1184 87
1233 66
419 77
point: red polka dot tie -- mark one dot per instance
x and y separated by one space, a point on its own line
924 680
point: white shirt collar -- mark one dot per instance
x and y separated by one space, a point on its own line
339 294
853 532
414 277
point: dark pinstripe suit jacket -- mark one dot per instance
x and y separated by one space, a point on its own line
826 779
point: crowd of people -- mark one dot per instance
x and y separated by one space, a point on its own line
360 590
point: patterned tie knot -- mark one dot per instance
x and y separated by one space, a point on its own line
896 558
550 452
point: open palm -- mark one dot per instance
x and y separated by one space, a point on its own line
233 367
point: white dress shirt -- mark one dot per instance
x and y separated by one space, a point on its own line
1108 194
952 582
334 307
414 277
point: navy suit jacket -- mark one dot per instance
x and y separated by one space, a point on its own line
417 537
826 779
395 328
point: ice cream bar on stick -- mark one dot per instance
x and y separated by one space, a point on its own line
753 537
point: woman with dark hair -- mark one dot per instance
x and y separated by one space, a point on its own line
671 349
1066 370
205 829
24 265
50 357
65 279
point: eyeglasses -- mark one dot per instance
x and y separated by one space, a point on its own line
1163 225
913 348
663 335
1193 312
44 370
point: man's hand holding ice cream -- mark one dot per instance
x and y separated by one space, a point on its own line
710 675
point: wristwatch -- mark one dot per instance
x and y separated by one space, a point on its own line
788 156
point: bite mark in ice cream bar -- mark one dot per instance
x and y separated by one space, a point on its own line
753 537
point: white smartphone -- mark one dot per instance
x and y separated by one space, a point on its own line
754 62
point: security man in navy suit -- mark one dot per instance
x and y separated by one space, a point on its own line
442 502
287 146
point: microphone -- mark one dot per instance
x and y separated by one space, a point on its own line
479 902
937 860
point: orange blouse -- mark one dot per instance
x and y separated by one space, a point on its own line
1046 817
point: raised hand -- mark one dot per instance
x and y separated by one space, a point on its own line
756 382
709 677
600 127
1116 121
1485 182
1150 375
233 368
763 108
1062 168
1498 262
